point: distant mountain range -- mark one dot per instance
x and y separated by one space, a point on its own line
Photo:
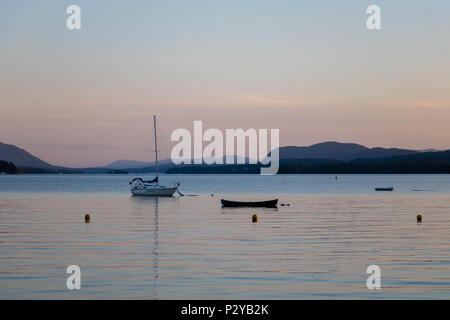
324 151
20 157
133 164
28 163
340 151
330 154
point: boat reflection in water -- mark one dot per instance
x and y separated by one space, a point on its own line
145 205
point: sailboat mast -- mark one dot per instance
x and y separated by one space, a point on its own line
156 147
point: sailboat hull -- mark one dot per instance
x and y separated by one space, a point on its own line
157 191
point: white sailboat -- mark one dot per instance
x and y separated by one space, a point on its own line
141 187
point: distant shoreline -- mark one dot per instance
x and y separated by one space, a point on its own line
434 162
432 168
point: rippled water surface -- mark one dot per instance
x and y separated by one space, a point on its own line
191 248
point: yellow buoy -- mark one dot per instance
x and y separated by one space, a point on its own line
87 218
419 218
254 218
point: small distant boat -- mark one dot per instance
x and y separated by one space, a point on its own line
385 189
264 204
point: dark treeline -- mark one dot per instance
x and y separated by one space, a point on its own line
49 171
214 169
362 168
7 167
328 168
117 171
420 163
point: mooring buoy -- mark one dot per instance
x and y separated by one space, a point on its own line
419 218
254 218
87 218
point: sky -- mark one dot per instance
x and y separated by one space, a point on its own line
312 69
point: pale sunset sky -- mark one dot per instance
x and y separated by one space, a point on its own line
312 69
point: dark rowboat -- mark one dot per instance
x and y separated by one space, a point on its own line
384 189
265 204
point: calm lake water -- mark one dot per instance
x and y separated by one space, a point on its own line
190 248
